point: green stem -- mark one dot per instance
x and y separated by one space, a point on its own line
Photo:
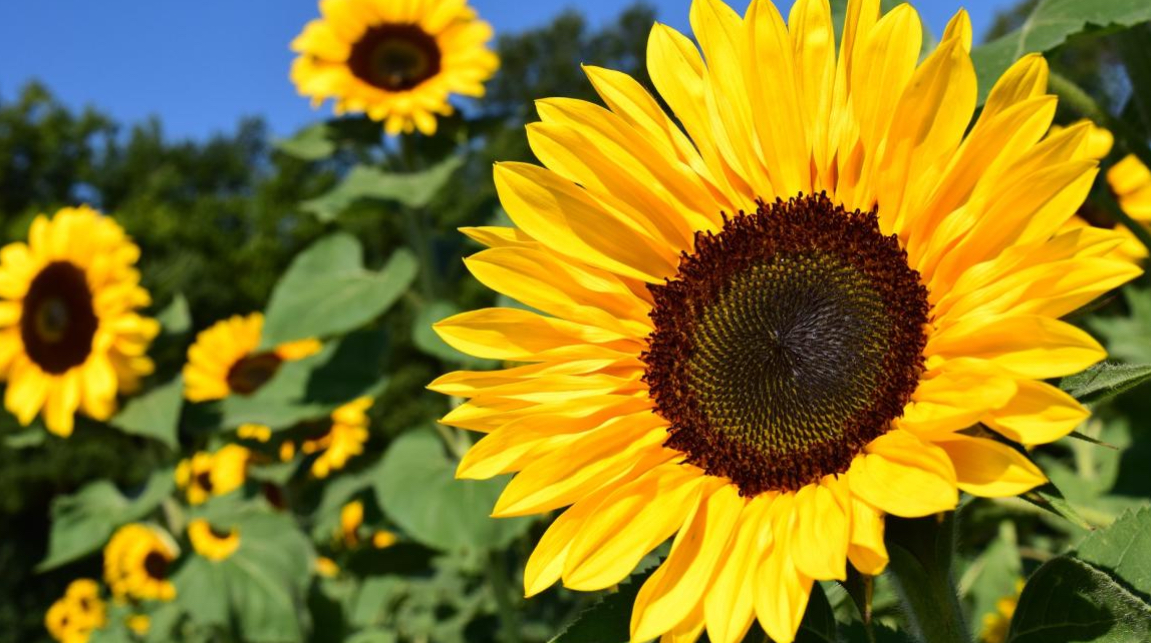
509 619
921 552
415 222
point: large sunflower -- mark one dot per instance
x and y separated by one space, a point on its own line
70 336
224 359
821 302
398 62
136 561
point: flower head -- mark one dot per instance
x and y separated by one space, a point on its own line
211 543
213 474
73 617
339 439
70 333
827 299
136 562
397 62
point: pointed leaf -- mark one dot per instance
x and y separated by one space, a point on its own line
1105 381
155 414
414 190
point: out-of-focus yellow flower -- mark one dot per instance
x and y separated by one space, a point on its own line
72 618
996 626
225 360
383 539
327 567
139 624
213 474
257 432
398 62
136 562
342 438
70 334
351 518
210 543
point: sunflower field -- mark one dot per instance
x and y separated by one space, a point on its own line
804 323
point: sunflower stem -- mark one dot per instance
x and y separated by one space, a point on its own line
921 552
501 588
415 221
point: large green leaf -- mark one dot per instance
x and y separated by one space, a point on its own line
155 414
312 143
414 190
1105 381
609 620
416 487
1050 24
260 590
345 369
1103 594
83 522
327 291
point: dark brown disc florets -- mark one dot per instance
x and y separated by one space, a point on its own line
395 57
785 343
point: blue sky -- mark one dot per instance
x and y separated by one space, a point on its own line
202 65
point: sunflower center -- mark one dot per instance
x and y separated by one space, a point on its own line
58 322
250 373
204 481
395 57
219 534
156 565
785 343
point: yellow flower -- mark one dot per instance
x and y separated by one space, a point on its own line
256 432
996 626
763 333
383 539
136 562
70 336
210 543
224 359
398 62
327 567
341 439
140 624
1130 182
213 474
72 618
351 518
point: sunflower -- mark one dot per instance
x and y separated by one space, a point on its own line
70 336
996 625
213 474
139 624
398 62
74 616
225 359
211 543
821 302
136 562
341 438
351 519
1130 182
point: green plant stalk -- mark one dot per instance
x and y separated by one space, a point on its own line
416 225
921 551
501 588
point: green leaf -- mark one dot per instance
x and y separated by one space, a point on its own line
313 143
310 388
414 190
1136 55
416 487
327 291
260 589
1105 381
1102 594
176 318
880 633
155 414
1050 24
1069 600
427 340
83 522
1049 497
26 438
994 574
609 620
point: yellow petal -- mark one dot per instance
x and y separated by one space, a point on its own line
867 552
546 563
728 604
632 521
515 334
1038 413
990 469
822 525
904 476
679 584
1025 345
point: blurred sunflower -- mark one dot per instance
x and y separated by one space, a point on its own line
1130 182
398 62
73 617
997 625
213 474
210 543
70 336
136 562
351 519
340 439
225 359
139 624
769 330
